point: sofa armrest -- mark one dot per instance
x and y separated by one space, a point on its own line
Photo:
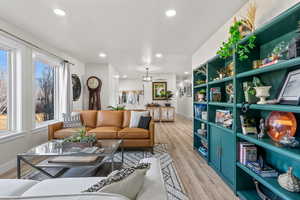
152 132
52 128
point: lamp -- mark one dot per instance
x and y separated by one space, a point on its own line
147 78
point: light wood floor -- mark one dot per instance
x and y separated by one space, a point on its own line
199 180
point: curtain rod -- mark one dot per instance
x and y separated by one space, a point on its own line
33 45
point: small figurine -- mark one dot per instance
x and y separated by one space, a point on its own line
289 141
262 128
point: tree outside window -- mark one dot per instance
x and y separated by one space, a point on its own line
4 90
44 94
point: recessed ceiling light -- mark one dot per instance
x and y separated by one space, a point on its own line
186 72
158 55
171 13
124 76
117 76
59 12
102 55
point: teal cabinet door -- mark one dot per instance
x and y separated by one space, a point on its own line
228 157
215 147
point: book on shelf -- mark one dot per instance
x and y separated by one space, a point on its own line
262 170
247 152
248 124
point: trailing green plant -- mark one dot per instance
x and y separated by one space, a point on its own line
257 82
169 94
202 91
231 46
81 136
116 108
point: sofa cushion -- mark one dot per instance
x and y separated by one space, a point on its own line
15 187
105 132
133 133
67 132
89 118
126 118
109 118
135 118
60 186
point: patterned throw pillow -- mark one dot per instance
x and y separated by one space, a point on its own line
72 120
127 182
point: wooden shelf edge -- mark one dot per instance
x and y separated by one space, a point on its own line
220 127
201 120
200 86
220 81
278 66
271 183
204 102
265 144
229 105
273 107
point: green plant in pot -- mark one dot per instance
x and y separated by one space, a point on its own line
201 95
169 94
80 139
116 107
249 92
233 46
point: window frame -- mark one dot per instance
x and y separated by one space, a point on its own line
37 56
11 85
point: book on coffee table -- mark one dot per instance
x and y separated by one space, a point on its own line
74 159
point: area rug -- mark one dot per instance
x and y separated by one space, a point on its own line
172 181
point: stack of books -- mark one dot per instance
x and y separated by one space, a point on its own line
247 152
262 170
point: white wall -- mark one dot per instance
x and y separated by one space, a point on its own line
184 103
266 10
110 84
137 84
28 136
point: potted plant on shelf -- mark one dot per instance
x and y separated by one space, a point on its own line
201 95
261 91
80 139
240 29
249 92
169 95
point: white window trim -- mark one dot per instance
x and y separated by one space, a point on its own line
12 90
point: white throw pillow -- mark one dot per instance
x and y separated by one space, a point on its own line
127 182
136 116
128 187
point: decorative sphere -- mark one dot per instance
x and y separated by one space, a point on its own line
280 124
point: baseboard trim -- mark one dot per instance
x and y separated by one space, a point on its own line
8 166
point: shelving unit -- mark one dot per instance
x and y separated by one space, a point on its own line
223 142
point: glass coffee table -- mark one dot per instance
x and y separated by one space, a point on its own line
56 152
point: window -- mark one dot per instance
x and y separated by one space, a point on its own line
44 92
4 74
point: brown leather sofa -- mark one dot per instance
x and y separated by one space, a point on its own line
108 124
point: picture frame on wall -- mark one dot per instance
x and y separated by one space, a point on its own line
159 90
290 92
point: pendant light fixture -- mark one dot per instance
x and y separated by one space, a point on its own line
147 78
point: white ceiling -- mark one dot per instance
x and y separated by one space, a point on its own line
131 32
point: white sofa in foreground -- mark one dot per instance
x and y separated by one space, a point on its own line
70 188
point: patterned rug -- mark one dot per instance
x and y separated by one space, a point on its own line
172 181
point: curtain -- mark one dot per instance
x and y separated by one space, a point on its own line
65 96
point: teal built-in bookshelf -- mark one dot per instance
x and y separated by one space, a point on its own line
222 143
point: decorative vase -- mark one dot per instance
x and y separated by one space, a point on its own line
289 182
262 92
167 104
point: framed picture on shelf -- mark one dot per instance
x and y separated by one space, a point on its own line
224 118
159 90
290 92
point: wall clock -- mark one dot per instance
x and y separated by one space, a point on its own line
94 85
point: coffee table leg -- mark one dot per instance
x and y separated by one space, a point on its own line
18 167
112 163
122 149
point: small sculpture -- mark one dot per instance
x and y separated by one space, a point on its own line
262 128
289 140
229 92
289 182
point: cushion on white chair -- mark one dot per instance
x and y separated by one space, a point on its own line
15 187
